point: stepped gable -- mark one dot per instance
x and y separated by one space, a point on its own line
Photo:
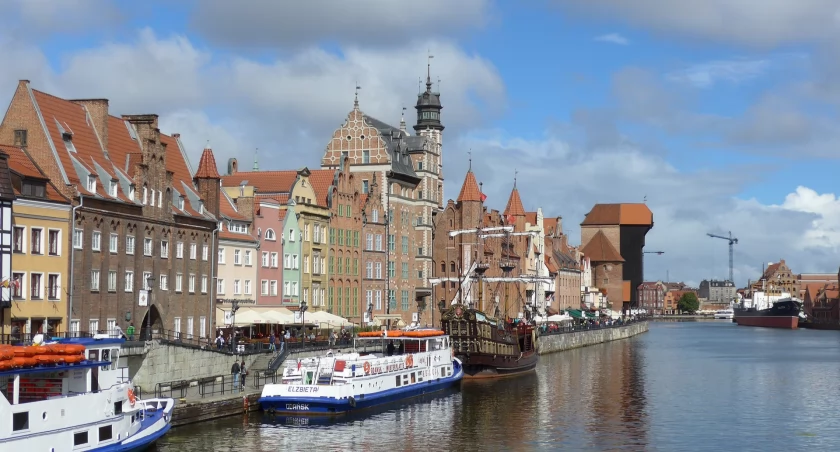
599 249
470 190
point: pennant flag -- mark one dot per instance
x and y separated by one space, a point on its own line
510 219
483 197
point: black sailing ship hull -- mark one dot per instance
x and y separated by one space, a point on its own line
783 314
488 347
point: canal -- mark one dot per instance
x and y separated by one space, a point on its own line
705 385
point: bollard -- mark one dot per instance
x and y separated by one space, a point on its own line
245 404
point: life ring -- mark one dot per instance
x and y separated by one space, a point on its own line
367 367
132 399
409 361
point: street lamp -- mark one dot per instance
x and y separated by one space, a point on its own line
149 282
303 308
234 306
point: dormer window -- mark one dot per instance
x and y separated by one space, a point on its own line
91 183
132 192
35 189
181 203
201 208
113 188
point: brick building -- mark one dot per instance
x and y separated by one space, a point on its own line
651 296
777 278
566 259
409 170
613 236
134 199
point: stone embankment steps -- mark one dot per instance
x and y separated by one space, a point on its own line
260 362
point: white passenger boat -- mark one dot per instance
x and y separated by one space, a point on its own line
727 314
70 396
384 367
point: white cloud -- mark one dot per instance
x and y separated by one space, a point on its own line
706 75
299 23
764 23
613 38
566 181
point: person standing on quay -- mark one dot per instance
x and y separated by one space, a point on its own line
234 370
271 342
130 331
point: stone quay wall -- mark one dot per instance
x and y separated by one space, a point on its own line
561 342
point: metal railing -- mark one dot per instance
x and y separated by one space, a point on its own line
167 389
211 385
565 329
26 338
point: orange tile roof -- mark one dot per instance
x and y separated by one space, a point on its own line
514 205
282 215
207 166
549 224
770 270
22 164
227 208
321 181
531 217
469 190
549 263
619 215
264 181
599 249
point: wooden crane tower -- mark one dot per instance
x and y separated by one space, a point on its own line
732 242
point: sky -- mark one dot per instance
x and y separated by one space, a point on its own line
721 115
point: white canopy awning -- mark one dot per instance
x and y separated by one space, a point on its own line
324 317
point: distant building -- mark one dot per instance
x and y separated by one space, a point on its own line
776 279
717 291
651 295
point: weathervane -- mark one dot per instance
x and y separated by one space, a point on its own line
356 102
470 157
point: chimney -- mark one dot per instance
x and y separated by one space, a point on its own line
176 136
146 125
97 109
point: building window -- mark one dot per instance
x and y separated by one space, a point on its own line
220 286
405 244
96 240
221 255
164 249
202 326
306 264
274 259
178 282
194 251
287 288
94 280
365 186
91 183
248 257
145 282
205 253
112 281
20 138
113 244
404 300
191 284
54 242
147 246
237 259
287 261
379 270
129 244
291 235
164 282
391 270
269 234
264 287
129 281
52 286
405 270
18 239
132 192
274 288
35 240
179 250
265 259
247 288
317 234
236 287
17 285
113 189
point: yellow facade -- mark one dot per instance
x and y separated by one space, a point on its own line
40 268
313 222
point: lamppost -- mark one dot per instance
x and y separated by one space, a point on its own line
149 282
234 306
303 308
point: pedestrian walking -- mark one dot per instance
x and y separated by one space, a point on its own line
235 370
244 373
271 339
130 331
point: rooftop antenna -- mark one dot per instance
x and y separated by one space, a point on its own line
645 199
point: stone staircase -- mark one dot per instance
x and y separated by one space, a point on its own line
260 362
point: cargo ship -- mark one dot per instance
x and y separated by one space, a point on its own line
784 313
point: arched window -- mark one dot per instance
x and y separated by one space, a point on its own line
269 234
452 266
442 268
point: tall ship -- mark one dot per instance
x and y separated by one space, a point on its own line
497 338
71 396
783 313
384 367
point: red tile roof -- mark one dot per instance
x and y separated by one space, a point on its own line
549 225
22 164
321 181
514 205
599 249
207 166
266 182
470 190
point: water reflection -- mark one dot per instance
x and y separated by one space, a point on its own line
688 386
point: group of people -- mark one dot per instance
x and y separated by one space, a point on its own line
239 373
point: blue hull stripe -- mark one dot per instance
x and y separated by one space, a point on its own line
328 406
141 444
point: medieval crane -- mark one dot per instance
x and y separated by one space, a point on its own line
732 242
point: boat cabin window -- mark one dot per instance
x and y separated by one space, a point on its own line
399 380
413 377
118 407
308 380
20 421
105 433
80 438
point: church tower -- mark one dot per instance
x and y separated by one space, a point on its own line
428 125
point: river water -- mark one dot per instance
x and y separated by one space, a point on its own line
683 386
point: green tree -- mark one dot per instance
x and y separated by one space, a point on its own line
688 303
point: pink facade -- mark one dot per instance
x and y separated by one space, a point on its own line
268 223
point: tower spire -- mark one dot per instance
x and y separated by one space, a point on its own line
256 165
429 72
515 173
356 100
402 121
469 153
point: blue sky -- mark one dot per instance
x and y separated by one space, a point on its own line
722 114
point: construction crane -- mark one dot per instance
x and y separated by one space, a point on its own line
732 242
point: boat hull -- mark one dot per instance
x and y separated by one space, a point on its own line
481 365
767 321
323 406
